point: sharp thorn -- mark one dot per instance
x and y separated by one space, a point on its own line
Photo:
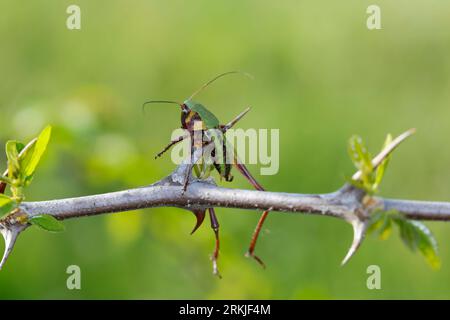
200 215
10 235
359 230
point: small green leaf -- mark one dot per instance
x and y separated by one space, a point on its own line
362 160
31 161
427 244
386 229
407 232
417 236
6 205
27 154
359 154
381 222
207 116
375 222
48 223
20 146
13 159
24 160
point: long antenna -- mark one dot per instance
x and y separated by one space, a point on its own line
159 101
217 77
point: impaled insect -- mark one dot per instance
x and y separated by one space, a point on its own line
196 118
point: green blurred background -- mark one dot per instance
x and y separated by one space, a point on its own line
320 76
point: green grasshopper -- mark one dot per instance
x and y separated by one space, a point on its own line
196 118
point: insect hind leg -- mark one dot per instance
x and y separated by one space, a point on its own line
215 227
251 250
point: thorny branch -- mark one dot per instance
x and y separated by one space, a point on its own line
348 203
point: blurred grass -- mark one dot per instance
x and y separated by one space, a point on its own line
321 76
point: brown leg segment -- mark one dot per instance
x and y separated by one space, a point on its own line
215 227
2 187
251 248
188 176
3 184
250 253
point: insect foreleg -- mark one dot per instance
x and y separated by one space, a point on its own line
195 156
171 144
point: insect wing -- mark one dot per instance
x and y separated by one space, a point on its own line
208 118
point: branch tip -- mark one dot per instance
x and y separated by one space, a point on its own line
378 159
